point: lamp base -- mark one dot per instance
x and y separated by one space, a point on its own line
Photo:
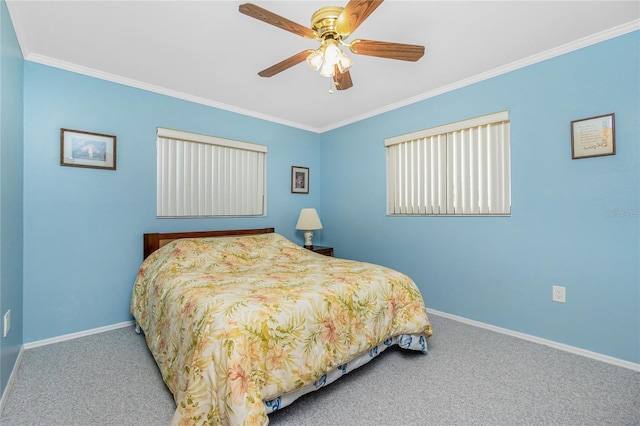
308 235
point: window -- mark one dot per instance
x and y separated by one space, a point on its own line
201 175
461 168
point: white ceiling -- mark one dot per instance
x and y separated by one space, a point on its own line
207 52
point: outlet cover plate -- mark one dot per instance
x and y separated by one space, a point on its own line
6 326
559 294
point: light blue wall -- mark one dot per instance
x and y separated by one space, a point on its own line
83 227
574 222
11 170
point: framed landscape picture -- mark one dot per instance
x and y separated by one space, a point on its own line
87 149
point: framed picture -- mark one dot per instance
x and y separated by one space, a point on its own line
593 137
299 180
87 149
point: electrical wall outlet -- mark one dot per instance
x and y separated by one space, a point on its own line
559 294
6 323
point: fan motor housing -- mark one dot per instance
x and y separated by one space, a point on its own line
323 21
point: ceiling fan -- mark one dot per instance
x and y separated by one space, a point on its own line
331 26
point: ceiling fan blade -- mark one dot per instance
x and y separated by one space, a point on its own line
286 64
354 14
342 80
385 49
271 18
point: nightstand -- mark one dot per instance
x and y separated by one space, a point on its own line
327 251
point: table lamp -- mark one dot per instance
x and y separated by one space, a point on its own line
307 222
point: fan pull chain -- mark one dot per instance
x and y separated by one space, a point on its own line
330 88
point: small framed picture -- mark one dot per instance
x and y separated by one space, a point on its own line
87 149
593 137
299 180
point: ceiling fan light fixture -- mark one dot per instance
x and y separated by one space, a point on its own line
327 56
344 63
327 69
332 53
315 59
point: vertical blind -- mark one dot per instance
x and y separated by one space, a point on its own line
461 168
200 175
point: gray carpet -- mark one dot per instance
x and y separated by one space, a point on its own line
471 376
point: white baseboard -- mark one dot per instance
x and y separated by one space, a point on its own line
77 335
551 343
12 377
44 342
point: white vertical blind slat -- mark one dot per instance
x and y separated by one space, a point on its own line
172 176
481 174
450 174
180 178
413 169
506 187
428 175
203 178
392 185
421 193
241 198
474 171
159 177
225 181
494 165
218 172
404 175
246 179
261 173
467 164
440 207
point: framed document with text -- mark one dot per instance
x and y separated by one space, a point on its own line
593 137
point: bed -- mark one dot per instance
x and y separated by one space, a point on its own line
241 323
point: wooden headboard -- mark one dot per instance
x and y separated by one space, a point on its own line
153 242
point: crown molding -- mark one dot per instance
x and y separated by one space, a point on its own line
534 59
543 56
92 72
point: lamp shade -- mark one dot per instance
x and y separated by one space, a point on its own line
315 59
308 220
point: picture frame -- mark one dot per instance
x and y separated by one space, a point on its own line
299 180
593 137
79 148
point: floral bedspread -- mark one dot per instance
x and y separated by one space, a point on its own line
235 321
